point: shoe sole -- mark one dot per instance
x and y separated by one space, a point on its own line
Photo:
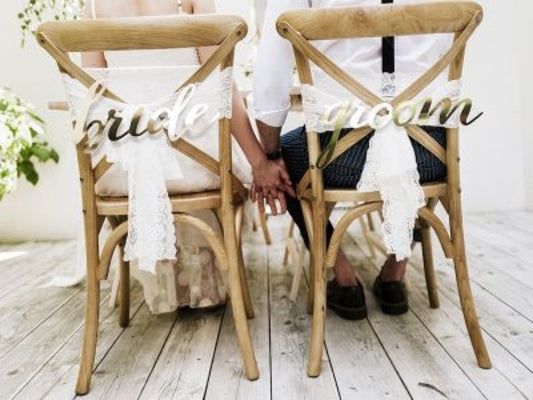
352 314
394 308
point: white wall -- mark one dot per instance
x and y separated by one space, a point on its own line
494 149
49 210
525 35
492 157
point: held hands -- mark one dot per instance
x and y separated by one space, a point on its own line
271 182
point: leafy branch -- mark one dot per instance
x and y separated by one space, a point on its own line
21 143
35 11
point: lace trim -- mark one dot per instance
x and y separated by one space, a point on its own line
315 106
224 93
149 161
388 85
390 166
151 231
452 90
312 111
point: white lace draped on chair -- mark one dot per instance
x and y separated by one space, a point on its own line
147 168
390 166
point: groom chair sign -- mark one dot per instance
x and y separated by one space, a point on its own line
158 145
375 192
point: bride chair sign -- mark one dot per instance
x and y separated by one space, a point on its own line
382 187
170 156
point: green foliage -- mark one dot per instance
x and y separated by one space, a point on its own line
35 11
21 144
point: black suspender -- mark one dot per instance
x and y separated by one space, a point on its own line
388 64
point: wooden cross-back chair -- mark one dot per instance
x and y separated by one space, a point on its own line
302 27
61 38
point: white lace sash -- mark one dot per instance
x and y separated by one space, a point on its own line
390 166
149 161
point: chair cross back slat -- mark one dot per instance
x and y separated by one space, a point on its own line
155 32
49 32
306 51
382 21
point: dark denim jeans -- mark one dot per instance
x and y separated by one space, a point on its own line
345 171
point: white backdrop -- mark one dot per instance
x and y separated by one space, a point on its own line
497 150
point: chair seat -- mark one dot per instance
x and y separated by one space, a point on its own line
108 206
431 190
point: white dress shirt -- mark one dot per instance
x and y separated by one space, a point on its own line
274 70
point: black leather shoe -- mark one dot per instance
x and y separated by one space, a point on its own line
348 302
392 296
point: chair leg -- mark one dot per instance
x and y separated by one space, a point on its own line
308 217
467 303
290 236
113 296
311 291
298 272
319 317
366 233
248 306
239 316
236 288
429 268
124 290
264 227
91 333
318 327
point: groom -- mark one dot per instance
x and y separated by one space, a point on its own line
272 83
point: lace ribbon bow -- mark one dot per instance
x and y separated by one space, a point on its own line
390 166
149 160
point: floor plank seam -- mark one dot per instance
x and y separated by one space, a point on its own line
306 281
485 331
501 249
158 356
40 323
19 283
526 229
97 365
390 360
506 349
224 316
501 300
332 370
511 382
379 339
448 353
54 353
431 333
30 378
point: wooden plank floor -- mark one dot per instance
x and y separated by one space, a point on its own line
424 354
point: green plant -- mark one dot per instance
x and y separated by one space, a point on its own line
21 143
35 11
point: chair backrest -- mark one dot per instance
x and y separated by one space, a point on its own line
140 33
303 26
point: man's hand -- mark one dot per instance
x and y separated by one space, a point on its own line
271 181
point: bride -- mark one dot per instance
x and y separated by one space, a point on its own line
193 280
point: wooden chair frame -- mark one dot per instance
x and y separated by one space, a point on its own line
224 31
301 27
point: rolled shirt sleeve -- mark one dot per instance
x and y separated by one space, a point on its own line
274 69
